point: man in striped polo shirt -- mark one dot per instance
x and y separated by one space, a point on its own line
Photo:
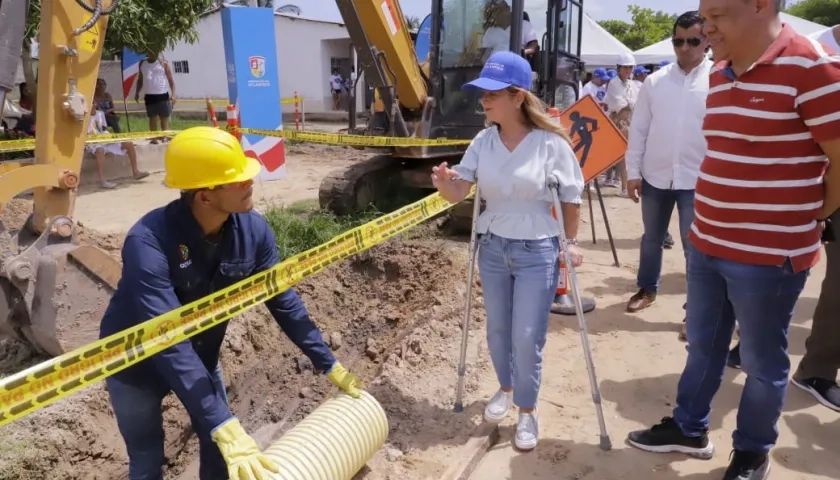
771 127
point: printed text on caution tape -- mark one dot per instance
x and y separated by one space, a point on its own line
354 140
29 143
48 382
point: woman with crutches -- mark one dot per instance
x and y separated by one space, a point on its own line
512 161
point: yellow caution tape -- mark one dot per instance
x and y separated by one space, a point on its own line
354 140
29 143
48 382
284 101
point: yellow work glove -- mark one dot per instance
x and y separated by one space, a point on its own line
346 381
244 459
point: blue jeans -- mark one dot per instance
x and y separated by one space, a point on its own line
657 206
140 421
762 298
519 279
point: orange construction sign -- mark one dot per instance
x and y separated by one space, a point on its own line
597 142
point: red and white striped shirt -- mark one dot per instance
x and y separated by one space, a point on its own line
760 187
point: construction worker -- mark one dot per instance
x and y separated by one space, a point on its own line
207 240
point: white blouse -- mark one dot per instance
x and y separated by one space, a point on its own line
514 184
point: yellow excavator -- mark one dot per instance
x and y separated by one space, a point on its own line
53 290
422 98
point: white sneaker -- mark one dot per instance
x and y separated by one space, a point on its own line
623 194
498 407
527 431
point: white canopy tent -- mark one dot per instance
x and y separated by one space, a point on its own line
599 48
664 51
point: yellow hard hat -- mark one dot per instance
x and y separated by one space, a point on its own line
204 157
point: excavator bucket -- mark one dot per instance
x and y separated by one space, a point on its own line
54 291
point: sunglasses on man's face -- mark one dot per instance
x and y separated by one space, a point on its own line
691 41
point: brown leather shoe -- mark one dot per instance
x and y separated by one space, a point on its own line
640 301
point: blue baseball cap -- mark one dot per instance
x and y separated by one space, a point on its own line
640 70
601 73
502 70
612 73
664 63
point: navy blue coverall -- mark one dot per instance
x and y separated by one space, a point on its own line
167 263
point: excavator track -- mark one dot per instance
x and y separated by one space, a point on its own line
371 183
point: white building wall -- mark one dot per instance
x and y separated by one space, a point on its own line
206 59
304 49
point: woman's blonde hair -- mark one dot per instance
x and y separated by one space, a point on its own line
536 115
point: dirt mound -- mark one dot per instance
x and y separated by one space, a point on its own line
369 307
17 211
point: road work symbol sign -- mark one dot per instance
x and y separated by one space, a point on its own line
597 142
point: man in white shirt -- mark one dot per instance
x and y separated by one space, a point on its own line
597 87
621 100
817 372
665 148
497 29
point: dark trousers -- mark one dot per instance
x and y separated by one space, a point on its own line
657 207
139 416
762 298
822 349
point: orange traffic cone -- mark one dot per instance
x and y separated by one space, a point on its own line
233 121
563 303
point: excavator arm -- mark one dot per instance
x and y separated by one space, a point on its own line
380 35
52 290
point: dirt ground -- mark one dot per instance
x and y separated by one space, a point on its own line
306 165
393 315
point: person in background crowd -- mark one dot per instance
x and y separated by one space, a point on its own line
518 237
158 85
497 20
105 103
336 86
98 125
611 177
817 372
621 100
530 42
206 240
597 86
665 149
497 15
663 64
757 223
640 73
25 100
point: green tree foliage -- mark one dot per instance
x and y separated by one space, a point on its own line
645 28
824 12
142 25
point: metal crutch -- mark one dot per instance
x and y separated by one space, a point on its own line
606 444
465 332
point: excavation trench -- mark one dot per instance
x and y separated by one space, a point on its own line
366 307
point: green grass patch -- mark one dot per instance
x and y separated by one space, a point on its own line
139 123
302 225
